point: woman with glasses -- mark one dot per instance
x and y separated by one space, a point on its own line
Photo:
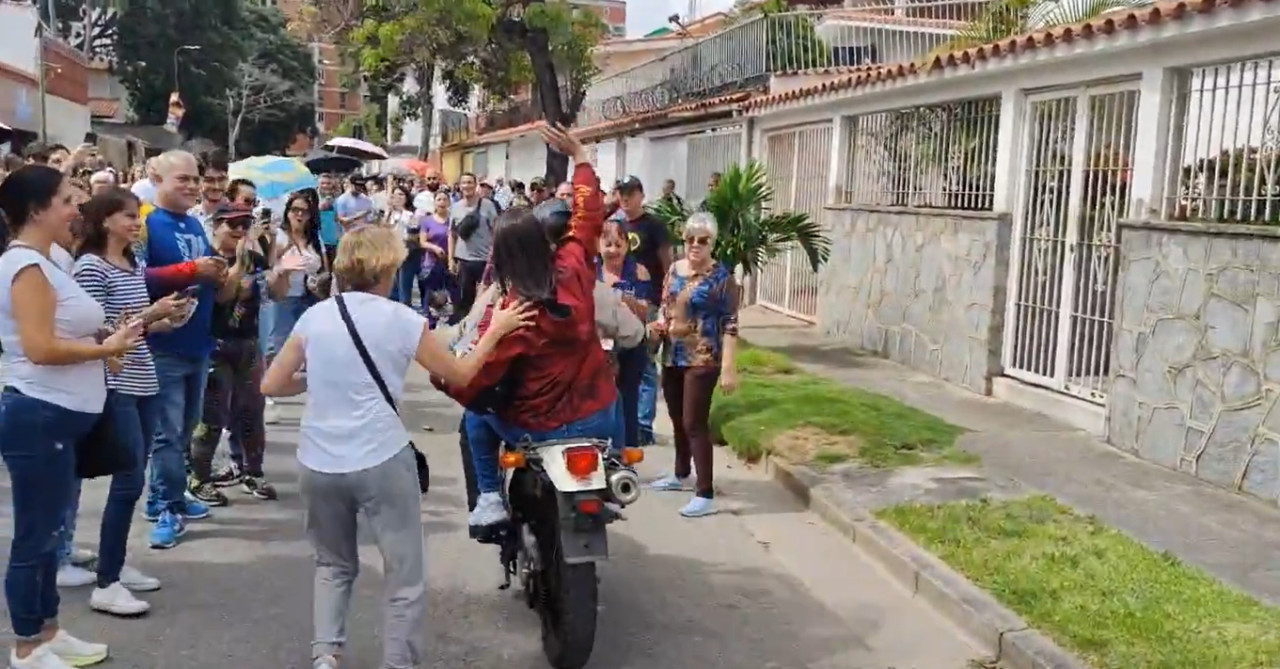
699 321
300 237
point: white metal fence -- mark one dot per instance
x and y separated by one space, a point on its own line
940 156
710 152
798 170
1225 144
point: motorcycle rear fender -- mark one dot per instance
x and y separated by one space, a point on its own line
551 457
582 537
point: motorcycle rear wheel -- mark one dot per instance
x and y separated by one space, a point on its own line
569 612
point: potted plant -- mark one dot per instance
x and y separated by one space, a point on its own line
751 231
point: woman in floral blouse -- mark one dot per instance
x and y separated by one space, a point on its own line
699 321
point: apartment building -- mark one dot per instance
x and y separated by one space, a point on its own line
334 101
612 12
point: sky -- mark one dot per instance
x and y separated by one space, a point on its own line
655 12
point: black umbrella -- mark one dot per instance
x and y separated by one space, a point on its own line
325 162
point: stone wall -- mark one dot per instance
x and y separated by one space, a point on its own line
1196 354
923 287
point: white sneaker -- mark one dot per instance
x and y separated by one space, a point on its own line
325 662
489 510
71 576
116 600
40 658
271 415
137 581
81 557
75 652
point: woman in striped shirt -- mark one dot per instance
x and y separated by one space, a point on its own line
106 269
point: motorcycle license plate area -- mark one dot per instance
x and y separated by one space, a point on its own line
582 535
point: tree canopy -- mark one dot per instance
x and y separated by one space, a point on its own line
501 48
154 36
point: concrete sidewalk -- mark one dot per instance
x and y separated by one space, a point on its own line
1231 536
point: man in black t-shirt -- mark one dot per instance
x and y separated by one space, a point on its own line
651 245
650 241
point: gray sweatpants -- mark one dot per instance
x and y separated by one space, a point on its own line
388 498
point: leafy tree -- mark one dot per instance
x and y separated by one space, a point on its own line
286 76
1002 19
228 33
150 32
502 47
750 232
365 125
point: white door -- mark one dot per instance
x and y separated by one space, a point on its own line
1072 190
798 163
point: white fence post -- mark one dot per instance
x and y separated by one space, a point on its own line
1150 160
1009 150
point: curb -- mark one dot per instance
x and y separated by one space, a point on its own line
1012 642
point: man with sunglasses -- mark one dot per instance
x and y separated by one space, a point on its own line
650 243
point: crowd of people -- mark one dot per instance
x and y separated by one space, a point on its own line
144 326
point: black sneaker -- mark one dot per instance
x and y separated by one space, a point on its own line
228 476
206 492
258 487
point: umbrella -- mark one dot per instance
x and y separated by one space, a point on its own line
275 176
322 162
356 148
407 167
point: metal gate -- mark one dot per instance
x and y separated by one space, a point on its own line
1072 190
798 163
709 152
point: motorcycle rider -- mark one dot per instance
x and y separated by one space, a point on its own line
551 380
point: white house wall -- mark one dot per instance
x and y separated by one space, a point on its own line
526 158
68 121
607 162
498 161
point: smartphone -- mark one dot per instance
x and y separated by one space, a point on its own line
190 292
91 137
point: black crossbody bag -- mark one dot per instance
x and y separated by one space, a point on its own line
424 470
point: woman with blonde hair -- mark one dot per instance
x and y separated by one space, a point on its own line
699 321
354 452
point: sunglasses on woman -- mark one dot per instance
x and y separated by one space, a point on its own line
300 210
699 240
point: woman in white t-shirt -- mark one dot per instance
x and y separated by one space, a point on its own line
353 450
53 352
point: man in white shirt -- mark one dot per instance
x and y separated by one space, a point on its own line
146 188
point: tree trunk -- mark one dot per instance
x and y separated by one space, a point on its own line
548 90
425 75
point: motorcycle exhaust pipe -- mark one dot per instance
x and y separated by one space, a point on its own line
624 485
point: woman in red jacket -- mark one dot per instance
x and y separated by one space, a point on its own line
556 379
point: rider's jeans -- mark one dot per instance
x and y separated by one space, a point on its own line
486 432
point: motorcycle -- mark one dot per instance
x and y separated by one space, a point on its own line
558 495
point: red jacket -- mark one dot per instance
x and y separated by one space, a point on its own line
562 374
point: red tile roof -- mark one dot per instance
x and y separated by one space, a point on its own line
1107 24
100 108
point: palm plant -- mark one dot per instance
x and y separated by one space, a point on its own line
1002 19
751 231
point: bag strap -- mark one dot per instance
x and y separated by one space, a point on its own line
364 352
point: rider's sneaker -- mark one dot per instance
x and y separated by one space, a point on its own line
699 507
669 483
228 476
490 510
207 493
258 487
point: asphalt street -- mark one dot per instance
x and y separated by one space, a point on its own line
762 585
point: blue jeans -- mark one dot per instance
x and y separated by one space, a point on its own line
402 291
486 432
266 323
631 365
181 401
67 535
648 402
37 443
134 418
287 313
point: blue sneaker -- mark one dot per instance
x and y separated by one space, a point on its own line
698 507
192 508
168 529
152 511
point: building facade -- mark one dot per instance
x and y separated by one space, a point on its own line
61 109
335 102
612 12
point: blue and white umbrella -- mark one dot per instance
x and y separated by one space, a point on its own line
274 176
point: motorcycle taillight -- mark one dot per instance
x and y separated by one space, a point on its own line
582 461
